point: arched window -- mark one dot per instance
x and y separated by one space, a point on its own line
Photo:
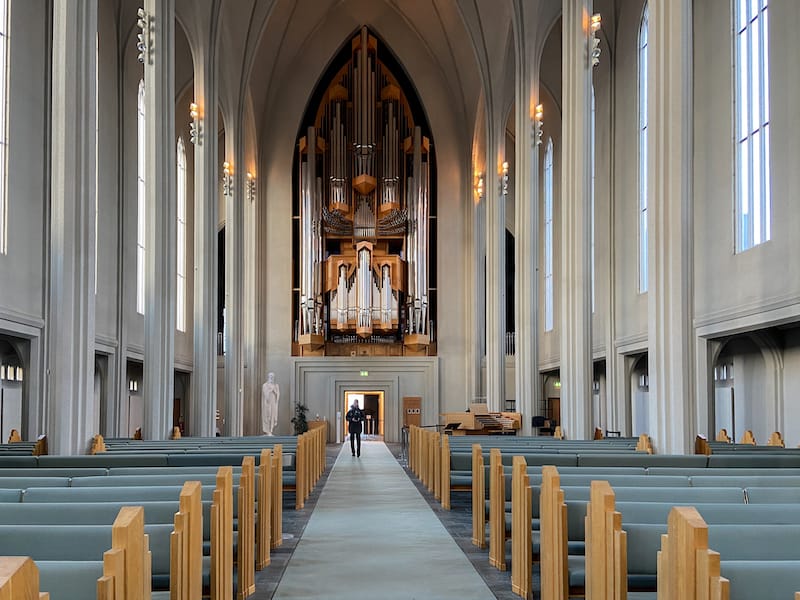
180 314
4 63
140 229
751 100
643 152
548 236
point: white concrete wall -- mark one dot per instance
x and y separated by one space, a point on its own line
23 268
754 283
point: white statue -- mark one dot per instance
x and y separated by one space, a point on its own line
270 395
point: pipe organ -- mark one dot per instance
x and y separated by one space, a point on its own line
364 205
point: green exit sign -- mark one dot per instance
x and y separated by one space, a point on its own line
365 373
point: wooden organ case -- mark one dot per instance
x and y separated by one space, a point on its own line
363 285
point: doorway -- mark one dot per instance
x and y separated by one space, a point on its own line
371 402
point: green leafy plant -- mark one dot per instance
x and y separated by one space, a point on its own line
299 419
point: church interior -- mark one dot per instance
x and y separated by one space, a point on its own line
564 219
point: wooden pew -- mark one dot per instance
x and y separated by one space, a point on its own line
186 572
605 541
19 579
687 569
276 527
246 543
521 552
497 499
264 499
222 537
478 496
444 475
553 535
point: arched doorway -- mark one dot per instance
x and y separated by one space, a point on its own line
12 379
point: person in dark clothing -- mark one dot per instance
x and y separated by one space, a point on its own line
355 422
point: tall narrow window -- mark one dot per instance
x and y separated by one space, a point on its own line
548 236
140 228
592 142
753 196
4 63
643 152
180 313
96 159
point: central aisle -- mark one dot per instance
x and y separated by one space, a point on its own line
372 535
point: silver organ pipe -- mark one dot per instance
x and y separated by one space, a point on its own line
364 301
411 255
386 297
338 177
417 303
311 242
342 296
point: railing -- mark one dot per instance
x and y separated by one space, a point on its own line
511 343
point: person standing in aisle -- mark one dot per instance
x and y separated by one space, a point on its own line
355 422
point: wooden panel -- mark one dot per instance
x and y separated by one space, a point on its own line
412 411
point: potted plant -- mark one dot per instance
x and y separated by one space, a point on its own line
299 419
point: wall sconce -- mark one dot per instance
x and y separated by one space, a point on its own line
478 185
195 130
143 45
596 386
227 179
251 186
2 372
595 27
557 384
504 179
644 381
19 374
538 119
133 385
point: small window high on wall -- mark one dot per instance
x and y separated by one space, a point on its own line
140 222
4 62
751 117
548 236
643 152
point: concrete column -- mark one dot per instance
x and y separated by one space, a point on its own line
234 285
495 199
202 412
576 298
478 261
160 216
526 214
71 421
669 174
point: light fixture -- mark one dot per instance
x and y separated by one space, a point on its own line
227 179
595 27
143 45
133 385
195 130
19 374
478 186
538 119
557 384
2 372
644 381
504 179
251 186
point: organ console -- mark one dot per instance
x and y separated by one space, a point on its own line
364 182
